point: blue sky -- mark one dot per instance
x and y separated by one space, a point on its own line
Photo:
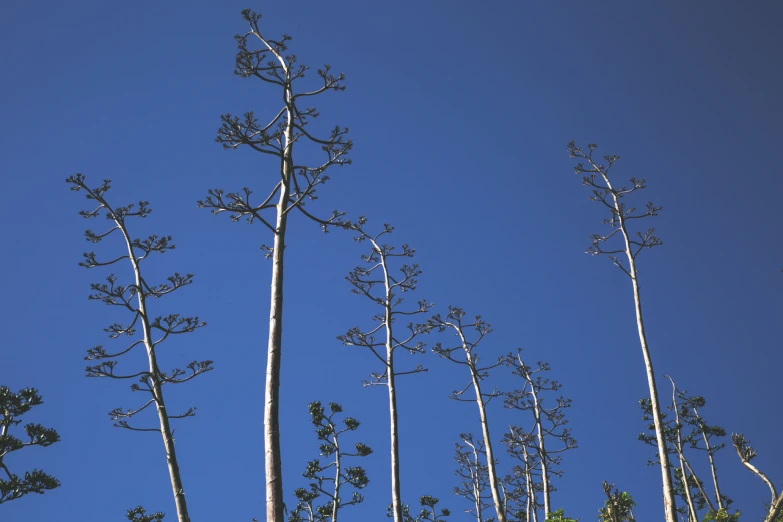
460 114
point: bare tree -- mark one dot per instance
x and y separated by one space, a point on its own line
454 322
474 475
524 481
12 406
134 298
295 184
684 480
596 176
549 423
689 410
341 475
746 454
687 430
382 284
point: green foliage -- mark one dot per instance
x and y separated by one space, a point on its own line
721 516
139 514
328 433
618 507
431 515
12 406
558 516
428 513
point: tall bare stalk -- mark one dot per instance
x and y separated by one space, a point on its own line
552 436
690 410
597 177
746 454
134 297
453 321
380 282
266 59
470 456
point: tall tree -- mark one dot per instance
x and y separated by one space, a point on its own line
596 176
295 184
135 298
12 406
454 322
552 436
382 283
329 478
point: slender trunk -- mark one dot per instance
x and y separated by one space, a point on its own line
171 454
337 471
669 503
713 469
663 455
395 442
272 460
701 488
493 481
476 482
157 392
775 509
531 494
394 434
541 446
688 498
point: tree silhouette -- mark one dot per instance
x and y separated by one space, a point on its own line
474 474
295 185
454 322
341 475
381 283
621 216
549 423
12 406
135 298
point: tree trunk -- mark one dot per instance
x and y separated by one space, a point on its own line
541 446
395 443
493 481
272 461
476 477
157 392
171 454
531 494
693 516
337 471
669 503
713 469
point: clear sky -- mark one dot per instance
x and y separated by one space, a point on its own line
460 113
